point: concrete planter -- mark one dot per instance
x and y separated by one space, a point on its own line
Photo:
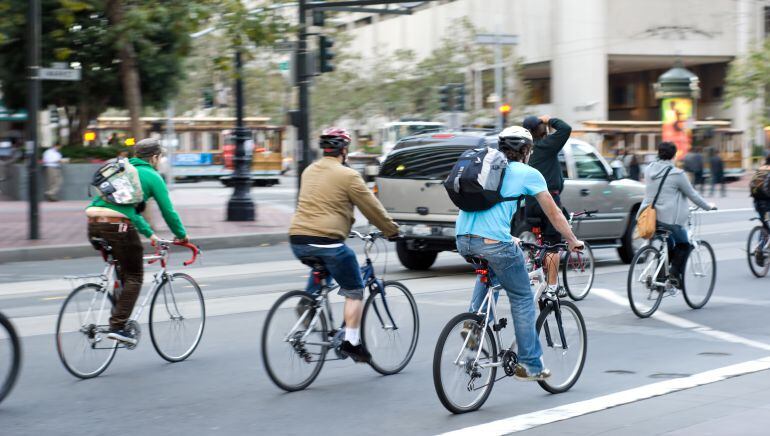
75 183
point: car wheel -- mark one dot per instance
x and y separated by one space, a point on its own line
629 246
415 259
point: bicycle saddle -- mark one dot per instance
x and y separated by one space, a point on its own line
475 260
313 262
101 244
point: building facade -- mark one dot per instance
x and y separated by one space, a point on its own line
591 60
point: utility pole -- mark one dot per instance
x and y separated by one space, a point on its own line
33 104
303 121
241 206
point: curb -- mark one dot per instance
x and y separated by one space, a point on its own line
73 251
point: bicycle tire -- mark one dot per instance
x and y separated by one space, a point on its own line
438 382
688 297
271 372
576 292
758 271
371 302
647 250
59 334
152 323
548 384
9 380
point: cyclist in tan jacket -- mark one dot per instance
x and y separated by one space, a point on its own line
329 191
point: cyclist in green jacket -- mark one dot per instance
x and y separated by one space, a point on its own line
120 225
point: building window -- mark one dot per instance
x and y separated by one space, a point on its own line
767 20
539 91
623 95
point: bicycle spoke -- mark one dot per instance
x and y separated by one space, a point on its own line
177 318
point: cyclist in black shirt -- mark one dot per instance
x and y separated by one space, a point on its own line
545 158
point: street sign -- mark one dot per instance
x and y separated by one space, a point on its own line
59 74
283 66
285 45
493 39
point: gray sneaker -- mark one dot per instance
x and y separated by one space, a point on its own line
123 336
521 373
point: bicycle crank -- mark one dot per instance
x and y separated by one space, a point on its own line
133 328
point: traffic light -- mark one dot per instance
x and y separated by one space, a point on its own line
325 54
444 93
505 109
460 98
318 17
208 98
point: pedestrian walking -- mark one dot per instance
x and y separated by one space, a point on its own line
633 169
717 167
693 166
52 159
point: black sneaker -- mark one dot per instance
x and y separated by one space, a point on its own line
355 352
123 336
760 258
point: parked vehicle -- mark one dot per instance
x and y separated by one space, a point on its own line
409 185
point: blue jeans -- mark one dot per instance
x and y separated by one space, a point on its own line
507 264
342 264
678 247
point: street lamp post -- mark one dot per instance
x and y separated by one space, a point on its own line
241 206
33 101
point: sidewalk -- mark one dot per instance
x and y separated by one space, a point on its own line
63 227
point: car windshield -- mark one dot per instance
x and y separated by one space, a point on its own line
433 163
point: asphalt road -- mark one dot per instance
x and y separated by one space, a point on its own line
223 388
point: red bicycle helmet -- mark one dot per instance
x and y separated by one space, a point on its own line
334 138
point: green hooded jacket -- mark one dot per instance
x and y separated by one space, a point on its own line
153 186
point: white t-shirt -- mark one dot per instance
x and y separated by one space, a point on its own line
52 158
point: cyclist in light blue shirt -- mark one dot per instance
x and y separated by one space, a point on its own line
487 234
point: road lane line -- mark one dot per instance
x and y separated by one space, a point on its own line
660 315
541 417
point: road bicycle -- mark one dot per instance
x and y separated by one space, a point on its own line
299 330
577 267
177 314
10 356
649 279
470 349
758 248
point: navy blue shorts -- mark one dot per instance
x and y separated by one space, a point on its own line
342 264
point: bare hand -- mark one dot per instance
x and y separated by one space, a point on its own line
545 118
575 245
154 239
184 240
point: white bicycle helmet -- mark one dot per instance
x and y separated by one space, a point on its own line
514 138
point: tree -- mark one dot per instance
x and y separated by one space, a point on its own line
748 77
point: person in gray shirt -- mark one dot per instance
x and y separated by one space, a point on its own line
672 207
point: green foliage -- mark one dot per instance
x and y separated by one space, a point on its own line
83 154
749 78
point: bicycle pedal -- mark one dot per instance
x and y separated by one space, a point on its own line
500 325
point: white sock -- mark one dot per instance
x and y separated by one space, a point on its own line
553 287
353 336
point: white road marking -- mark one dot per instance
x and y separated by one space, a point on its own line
682 322
567 411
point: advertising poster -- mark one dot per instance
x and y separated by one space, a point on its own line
676 114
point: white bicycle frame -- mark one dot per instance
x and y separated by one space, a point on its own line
536 275
109 276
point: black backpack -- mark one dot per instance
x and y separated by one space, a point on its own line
476 179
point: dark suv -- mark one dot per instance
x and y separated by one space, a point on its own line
409 185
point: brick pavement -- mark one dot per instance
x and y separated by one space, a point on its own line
63 223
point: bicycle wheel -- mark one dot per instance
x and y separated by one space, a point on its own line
177 317
643 294
390 327
81 331
10 357
563 355
758 250
461 373
293 344
578 272
700 275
